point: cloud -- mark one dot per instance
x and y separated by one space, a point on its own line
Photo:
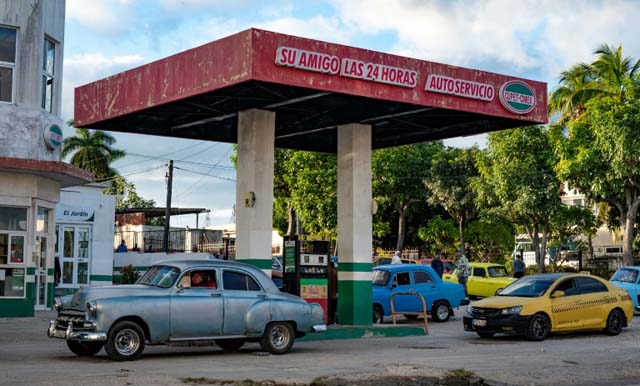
318 27
178 5
105 16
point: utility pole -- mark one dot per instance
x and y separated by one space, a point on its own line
167 212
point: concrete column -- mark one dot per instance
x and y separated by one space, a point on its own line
354 224
254 187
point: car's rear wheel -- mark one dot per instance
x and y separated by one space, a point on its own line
378 314
125 341
84 349
539 328
278 338
230 344
615 322
440 311
485 335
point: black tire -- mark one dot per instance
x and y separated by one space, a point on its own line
410 317
539 328
230 344
278 338
378 314
485 335
84 349
125 341
440 311
615 322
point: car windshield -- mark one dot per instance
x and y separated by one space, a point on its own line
528 287
380 277
159 276
497 272
626 275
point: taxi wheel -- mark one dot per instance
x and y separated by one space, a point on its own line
278 338
485 335
125 341
440 312
84 349
615 322
539 328
230 344
378 315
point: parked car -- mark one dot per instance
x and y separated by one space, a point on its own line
537 305
485 279
628 278
440 297
228 302
447 265
381 260
277 271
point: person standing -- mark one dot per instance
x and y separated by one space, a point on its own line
122 248
396 258
437 265
463 270
518 267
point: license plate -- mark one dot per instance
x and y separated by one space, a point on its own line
479 322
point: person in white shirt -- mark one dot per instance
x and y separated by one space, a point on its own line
396 258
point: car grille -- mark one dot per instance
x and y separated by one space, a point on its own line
485 312
77 320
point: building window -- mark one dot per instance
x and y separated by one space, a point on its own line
13 233
48 74
8 44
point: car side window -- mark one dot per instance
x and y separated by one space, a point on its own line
238 281
588 285
479 272
201 278
420 277
402 279
568 287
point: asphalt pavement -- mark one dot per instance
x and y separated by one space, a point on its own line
29 357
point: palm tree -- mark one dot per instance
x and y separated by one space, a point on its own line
93 152
605 76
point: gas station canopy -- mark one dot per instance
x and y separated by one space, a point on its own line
313 87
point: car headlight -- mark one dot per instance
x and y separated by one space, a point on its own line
469 309
57 303
515 310
92 306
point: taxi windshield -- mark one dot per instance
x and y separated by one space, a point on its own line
528 287
380 277
159 276
497 272
625 275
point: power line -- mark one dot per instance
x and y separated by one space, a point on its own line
205 174
161 156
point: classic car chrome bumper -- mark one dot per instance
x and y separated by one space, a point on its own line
68 333
319 327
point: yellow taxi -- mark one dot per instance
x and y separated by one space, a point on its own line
537 305
485 279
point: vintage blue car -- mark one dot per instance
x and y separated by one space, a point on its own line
628 278
176 301
440 296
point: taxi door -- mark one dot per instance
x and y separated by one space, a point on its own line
565 310
595 302
477 282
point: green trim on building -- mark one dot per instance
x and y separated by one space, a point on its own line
138 268
50 295
51 272
31 270
260 263
16 307
108 278
355 267
356 302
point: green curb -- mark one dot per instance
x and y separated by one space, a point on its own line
357 332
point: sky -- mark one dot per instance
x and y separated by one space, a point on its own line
534 39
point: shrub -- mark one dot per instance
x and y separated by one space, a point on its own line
128 274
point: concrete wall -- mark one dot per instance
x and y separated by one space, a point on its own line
142 261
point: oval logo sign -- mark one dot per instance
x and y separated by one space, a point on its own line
517 97
53 137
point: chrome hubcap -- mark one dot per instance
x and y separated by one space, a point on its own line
442 312
127 342
279 336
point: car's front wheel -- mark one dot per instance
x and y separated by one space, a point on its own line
485 335
125 341
278 338
615 322
440 311
378 314
230 344
539 328
84 349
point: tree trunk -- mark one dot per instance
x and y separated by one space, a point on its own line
628 225
291 229
536 247
461 230
543 247
401 226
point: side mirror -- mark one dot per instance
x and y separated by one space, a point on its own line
394 285
499 291
557 294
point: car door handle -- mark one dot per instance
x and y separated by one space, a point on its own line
433 286
262 295
216 294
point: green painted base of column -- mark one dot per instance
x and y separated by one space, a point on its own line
355 302
358 332
260 263
16 307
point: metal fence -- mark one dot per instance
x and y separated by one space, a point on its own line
180 240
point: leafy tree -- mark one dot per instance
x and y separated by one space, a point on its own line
599 155
518 183
569 224
126 194
398 175
440 235
449 185
92 150
490 241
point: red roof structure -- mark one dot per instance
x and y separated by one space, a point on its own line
313 86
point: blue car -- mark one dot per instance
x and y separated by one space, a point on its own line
440 296
628 278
